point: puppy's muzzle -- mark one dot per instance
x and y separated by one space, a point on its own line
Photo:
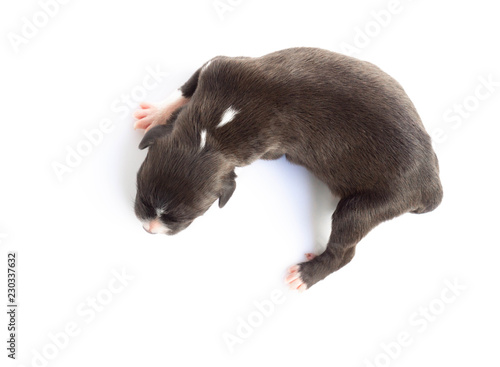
154 227
147 230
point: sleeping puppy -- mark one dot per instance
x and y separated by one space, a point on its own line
345 120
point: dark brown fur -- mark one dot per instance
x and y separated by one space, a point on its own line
345 120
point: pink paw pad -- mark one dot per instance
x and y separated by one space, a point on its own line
310 256
294 280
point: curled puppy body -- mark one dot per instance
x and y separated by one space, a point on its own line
345 120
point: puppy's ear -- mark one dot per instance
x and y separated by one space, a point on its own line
153 134
228 187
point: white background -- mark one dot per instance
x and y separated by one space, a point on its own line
190 290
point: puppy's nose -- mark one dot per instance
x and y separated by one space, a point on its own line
147 230
152 227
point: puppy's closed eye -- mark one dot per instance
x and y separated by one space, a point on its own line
169 218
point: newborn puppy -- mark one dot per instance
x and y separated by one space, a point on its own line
345 120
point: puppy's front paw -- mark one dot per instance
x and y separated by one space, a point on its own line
147 116
294 279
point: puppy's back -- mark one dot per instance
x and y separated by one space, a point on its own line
344 119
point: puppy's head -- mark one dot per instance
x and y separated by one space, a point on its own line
179 180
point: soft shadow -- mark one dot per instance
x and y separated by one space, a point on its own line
323 204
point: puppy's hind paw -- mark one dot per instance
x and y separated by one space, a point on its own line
310 256
294 279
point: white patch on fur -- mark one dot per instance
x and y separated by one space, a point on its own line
159 212
206 65
203 137
228 116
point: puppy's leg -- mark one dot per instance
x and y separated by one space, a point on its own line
150 115
352 220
